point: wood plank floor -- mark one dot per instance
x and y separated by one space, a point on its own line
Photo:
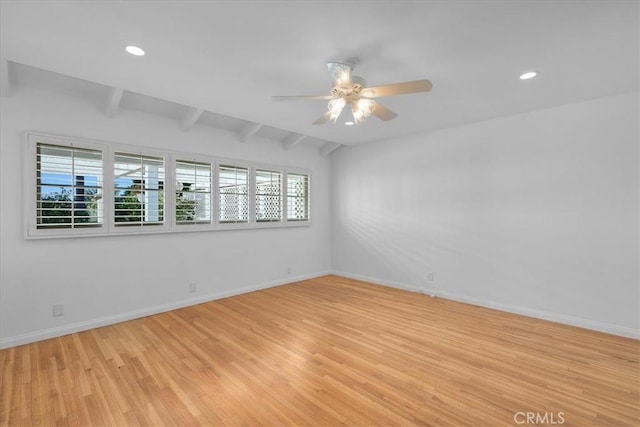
326 351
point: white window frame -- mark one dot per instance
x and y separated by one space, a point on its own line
285 183
31 188
250 194
118 228
108 227
281 171
190 157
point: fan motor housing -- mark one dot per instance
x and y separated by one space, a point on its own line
350 92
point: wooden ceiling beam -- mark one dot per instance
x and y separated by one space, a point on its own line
292 140
248 131
190 118
113 101
329 147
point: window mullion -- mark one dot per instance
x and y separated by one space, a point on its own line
108 189
251 182
169 191
285 197
215 194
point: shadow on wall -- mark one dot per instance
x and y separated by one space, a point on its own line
409 249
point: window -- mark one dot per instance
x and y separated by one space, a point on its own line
297 197
233 193
193 192
138 183
268 196
69 187
77 187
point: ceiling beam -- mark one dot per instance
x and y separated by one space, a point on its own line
190 118
292 140
5 81
328 148
113 101
249 130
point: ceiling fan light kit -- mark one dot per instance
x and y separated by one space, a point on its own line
347 89
335 108
362 109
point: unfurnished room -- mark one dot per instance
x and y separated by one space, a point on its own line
319 213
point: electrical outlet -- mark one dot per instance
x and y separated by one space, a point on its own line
58 310
289 270
431 277
193 287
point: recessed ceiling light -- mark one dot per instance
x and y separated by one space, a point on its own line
134 50
349 123
528 75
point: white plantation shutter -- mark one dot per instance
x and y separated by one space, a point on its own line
297 197
138 182
268 196
193 192
79 187
69 187
233 194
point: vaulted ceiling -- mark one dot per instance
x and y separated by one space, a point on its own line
230 57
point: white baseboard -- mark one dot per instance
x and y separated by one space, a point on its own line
110 320
538 314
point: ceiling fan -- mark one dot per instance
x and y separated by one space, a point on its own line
347 89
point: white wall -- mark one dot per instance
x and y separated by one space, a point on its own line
535 213
104 279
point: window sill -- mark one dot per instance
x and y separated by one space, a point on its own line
175 229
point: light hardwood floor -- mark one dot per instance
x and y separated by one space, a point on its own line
326 351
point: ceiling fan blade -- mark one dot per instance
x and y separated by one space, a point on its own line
340 74
383 113
322 119
302 98
397 89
